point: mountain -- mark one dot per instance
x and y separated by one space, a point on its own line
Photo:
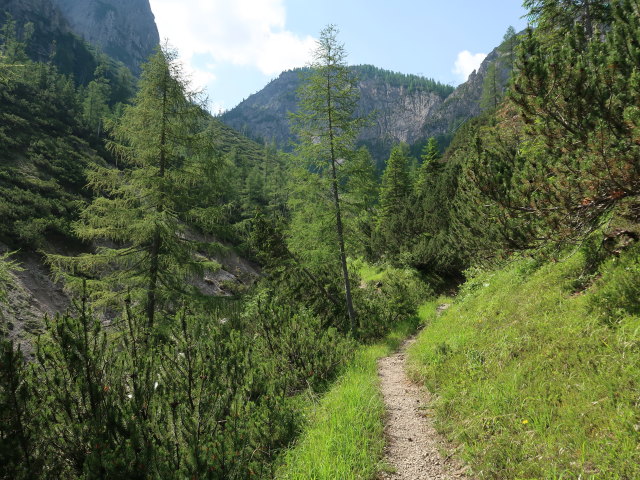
405 108
465 102
396 102
123 29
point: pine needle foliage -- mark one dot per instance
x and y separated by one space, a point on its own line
327 128
139 214
395 195
578 90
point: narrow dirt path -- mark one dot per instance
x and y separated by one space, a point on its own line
413 446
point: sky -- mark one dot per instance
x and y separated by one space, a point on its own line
233 48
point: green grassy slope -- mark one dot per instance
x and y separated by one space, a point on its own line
538 377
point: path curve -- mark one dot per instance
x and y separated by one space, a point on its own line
413 445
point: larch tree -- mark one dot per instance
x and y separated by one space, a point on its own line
95 107
327 127
138 216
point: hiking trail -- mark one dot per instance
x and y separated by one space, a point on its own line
413 447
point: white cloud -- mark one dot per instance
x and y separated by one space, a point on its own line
466 63
241 32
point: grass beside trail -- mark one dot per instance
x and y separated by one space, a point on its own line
536 370
344 439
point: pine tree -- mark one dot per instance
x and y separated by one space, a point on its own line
327 129
577 90
491 90
428 168
143 206
553 17
392 222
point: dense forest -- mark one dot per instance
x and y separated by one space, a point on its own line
133 195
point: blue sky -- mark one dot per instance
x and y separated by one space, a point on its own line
232 48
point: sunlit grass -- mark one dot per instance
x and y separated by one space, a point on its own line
344 438
530 380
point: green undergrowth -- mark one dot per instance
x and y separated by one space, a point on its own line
344 439
536 370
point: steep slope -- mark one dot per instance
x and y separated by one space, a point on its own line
52 38
535 378
464 102
123 29
404 108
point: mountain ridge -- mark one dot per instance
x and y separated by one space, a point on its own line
407 108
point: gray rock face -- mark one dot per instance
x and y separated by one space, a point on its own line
397 110
123 29
45 16
400 113
464 102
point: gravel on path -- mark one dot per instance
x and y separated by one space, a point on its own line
413 446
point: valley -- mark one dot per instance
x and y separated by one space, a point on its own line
354 273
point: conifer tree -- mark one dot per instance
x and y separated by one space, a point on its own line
360 197
95 104
554 17
428 168
491 91
508 47
327 128
577 90
143 206
395 193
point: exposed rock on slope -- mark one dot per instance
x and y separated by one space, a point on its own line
464 102
124 29
398 104
405 108
34 295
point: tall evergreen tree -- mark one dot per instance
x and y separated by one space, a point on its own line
143 206
428 168
95 105
327 128
508 47
491 90
392 222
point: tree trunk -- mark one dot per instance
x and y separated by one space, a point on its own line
339 228
156 242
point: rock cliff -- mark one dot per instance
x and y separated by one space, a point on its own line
123 29
397 103
404 108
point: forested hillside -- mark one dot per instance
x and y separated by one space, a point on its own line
178 301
